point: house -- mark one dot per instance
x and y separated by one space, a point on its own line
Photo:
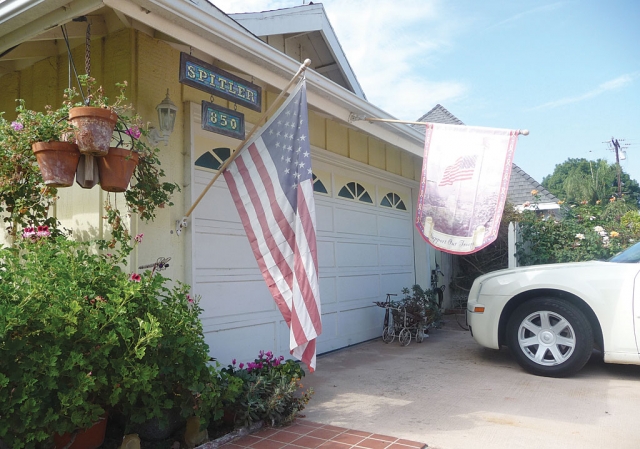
367 175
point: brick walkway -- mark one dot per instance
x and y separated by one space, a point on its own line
311 435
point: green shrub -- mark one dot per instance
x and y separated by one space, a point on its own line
270 390
421 304
580 232
79 336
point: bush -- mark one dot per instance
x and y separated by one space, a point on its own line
269 392
581 232
422 305
79 336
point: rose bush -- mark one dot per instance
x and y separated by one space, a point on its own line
578 232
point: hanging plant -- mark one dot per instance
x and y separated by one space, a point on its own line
25 196
94 119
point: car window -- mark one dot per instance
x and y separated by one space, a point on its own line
629 255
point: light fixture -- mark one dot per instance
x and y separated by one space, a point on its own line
167 119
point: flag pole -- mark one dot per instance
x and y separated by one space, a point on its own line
353 118
180 224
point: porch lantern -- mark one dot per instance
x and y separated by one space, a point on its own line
167 120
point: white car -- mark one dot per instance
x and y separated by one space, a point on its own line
553 316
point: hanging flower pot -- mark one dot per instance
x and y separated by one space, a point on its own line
57 161
91 438
93 128
116 169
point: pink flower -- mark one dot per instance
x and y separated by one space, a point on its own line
43 231
134 132
17 126
233 362
241 365
135 277
138 238
28 233
276 362
189 299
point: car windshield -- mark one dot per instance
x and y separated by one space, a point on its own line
629 255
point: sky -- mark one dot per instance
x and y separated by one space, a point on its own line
568 71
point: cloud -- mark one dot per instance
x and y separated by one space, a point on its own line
519 16
614 84
389 48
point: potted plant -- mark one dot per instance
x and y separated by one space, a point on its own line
94 119
46 134
25 196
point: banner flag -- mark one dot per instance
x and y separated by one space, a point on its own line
464 183
271 183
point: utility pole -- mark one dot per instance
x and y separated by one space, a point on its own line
616 148
614 145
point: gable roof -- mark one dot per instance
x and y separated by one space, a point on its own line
520 187
439 114
305 29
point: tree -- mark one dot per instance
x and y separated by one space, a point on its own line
579 180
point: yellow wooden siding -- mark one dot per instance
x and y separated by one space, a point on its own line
337 138
358 148
393 162
317 131
377 154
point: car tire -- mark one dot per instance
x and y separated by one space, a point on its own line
550 337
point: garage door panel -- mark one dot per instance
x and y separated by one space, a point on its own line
396 255
395 282
361 324
356 254
324 218
326 254
349 221
242 343
327 290
217 204
394 227
351 288
224 251
234 298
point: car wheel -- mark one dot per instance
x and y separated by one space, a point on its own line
550 337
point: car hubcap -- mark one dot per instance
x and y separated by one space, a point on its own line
547 338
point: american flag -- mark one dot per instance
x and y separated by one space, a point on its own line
461 170
271 183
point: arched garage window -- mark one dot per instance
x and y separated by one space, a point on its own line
318 185
393 201
213 159
355 191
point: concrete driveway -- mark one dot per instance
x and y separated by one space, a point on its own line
451 393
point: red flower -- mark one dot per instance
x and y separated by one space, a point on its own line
135 277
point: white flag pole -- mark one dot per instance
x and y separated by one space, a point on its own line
355 118
180 224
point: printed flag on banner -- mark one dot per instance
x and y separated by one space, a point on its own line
271 183
464 183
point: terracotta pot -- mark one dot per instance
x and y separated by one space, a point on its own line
116 168
91 438
57 161
94 129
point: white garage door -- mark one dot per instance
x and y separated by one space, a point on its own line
365 249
